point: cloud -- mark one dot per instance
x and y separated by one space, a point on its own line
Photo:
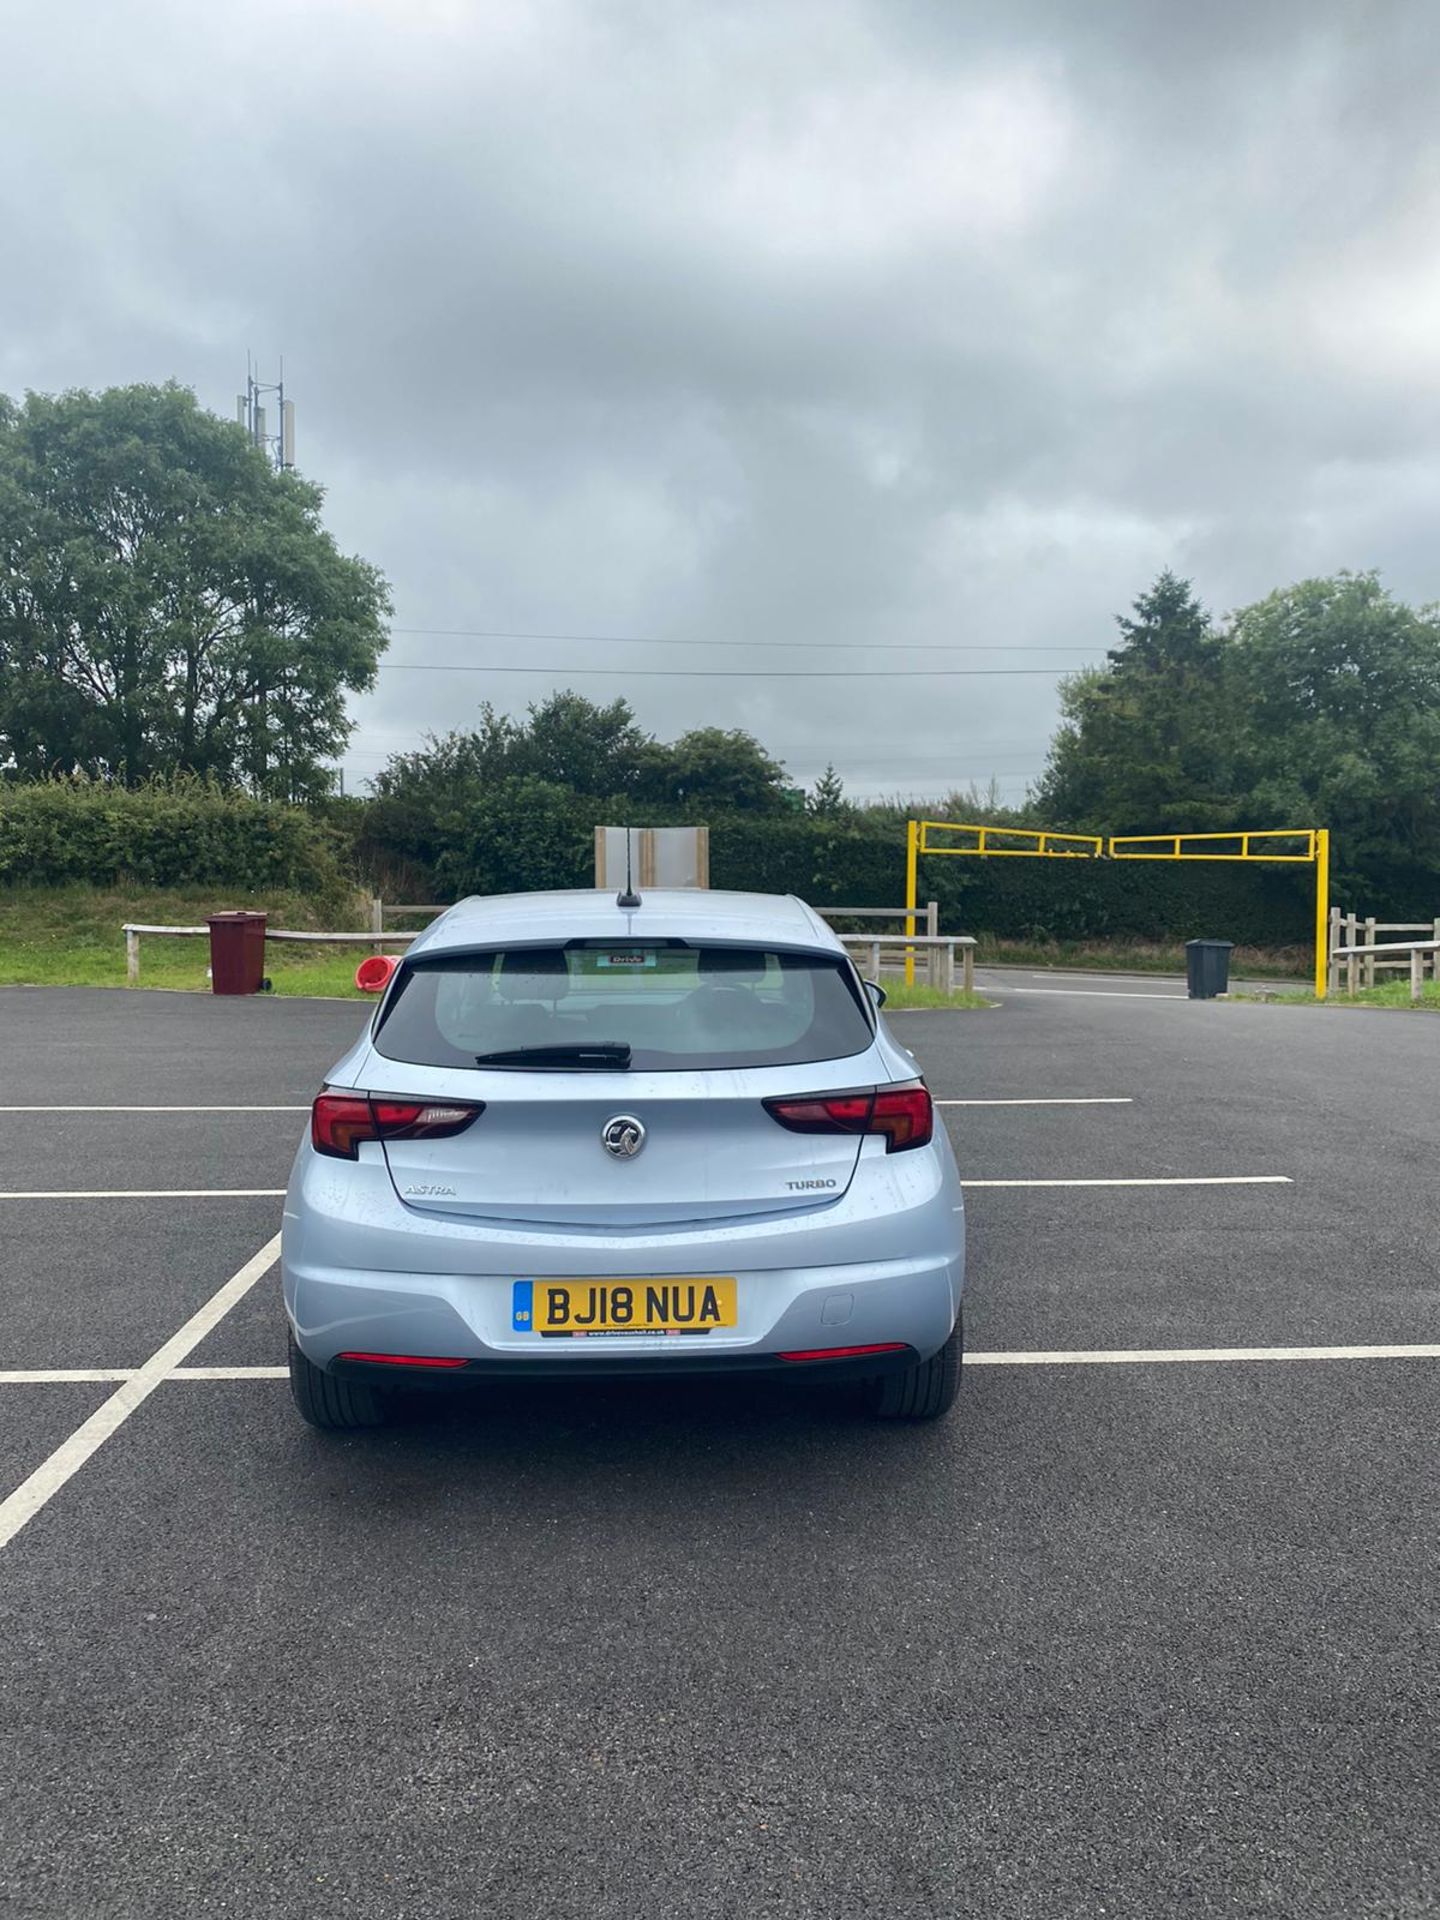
869 322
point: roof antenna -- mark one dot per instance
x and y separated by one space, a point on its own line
629 898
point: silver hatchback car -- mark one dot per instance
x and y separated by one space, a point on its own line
582 1136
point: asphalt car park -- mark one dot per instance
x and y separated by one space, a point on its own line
1148 1626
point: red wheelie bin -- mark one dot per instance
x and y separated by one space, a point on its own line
237 952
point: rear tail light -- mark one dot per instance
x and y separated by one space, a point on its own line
904 1115
403 1360
340 1121
846 1353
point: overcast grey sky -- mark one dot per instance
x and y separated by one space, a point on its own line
812 321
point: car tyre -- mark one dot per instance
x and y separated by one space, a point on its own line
334 1406
925 1391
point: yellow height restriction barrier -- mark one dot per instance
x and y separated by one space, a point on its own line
1290 845
1013 843
1298 845
1287 845
1016 842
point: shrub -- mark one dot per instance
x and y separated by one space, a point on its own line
185 833
829 862
1115 900
522 833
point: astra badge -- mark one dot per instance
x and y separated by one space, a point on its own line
623 1136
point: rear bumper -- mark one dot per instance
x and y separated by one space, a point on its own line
468 1317
364 1273
623 1366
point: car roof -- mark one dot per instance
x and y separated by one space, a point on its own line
665 913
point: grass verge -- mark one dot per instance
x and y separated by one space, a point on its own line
70 937
899 998
1137 956
1395 994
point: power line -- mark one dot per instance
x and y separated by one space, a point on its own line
975 774
727 673
805 756
813 646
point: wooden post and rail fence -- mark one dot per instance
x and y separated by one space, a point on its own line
880 949
377 939
1359 952
1356 948
901 949
133 932
379 908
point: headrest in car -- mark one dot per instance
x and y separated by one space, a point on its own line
735 965
541 975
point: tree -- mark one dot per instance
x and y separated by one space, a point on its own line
1339 686
595 752
522 832
168 602
1317 706
419 796
458 806
1146 742
715 768
827 797
565 740
574 743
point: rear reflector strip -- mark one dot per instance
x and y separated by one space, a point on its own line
402 1360
845 1353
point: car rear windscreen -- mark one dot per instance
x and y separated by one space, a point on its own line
674 1006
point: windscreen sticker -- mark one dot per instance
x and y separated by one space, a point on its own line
628 961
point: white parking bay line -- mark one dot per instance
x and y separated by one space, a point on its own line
50 1108
1018 1357
68 1458
1182 1180
229 1373
61 1376
1166 1356
149 1193
1106 1100
69 1376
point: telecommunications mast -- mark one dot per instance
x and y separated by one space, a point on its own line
253 415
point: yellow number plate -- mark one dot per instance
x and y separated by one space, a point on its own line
663 1305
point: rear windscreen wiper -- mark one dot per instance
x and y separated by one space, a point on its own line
564 1053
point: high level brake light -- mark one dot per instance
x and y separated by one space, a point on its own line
339 1122
905 1115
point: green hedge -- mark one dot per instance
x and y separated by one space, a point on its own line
1018 899
826 862
187 834
1116 900
547 842
531 833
